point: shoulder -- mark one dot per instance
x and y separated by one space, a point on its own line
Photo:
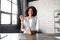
35 18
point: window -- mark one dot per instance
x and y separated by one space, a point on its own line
5 18
14 19
14 8
5 6
14 1
8 12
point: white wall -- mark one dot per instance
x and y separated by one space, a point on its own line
45 14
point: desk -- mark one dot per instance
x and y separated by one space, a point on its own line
22 36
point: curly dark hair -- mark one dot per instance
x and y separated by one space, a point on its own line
33 9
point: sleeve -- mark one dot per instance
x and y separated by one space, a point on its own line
38 25
25 26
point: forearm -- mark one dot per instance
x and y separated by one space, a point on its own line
22 24
31 32
34 31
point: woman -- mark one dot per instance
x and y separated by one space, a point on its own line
30 23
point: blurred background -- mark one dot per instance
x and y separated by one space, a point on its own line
11 9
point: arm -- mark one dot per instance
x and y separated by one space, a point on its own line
22 25
22 22
31 32
37 28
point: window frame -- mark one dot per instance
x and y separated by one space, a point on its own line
8 13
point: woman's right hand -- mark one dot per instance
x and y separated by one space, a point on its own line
21 17
22 21
29 32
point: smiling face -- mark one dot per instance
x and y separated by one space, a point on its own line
30 12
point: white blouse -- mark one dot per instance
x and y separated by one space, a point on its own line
31 24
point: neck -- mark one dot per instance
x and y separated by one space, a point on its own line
30 17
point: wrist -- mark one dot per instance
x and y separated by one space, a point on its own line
22 22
